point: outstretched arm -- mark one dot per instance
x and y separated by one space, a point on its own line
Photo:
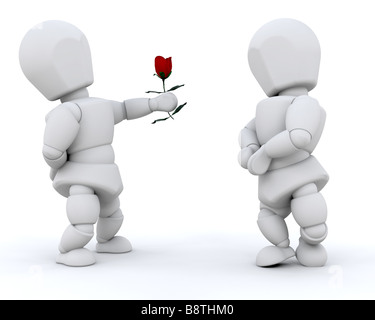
249 143
140 107
303 120
62 125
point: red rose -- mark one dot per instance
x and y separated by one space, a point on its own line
163 67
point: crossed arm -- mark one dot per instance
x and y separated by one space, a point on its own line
303 119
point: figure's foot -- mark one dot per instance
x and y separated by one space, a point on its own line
311 255
115 245
76 258
270 256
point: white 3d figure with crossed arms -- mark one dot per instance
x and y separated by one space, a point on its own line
55 57
284 57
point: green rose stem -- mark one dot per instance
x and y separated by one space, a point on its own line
164 92
163 68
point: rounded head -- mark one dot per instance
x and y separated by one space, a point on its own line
55 57
284 54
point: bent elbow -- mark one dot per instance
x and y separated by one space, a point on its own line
54 158
300 138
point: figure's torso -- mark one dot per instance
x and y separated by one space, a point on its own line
95 136
271 119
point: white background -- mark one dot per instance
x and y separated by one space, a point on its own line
190 209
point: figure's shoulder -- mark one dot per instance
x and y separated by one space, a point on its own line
274 107
306 113
306 100
306 104
66 108
276 101
101 108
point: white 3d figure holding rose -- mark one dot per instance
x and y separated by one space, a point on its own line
284 56
55 57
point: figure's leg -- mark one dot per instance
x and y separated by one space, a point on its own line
83 211
272 224
310 211
109 224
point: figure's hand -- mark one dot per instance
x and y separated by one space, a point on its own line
245 154
165 102
259 162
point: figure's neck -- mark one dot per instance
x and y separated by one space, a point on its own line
295 92
78 94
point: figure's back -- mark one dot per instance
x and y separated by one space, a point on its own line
94 139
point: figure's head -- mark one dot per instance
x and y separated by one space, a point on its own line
284 54
55 57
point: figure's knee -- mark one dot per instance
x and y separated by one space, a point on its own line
315 234
273 227
83 207
310 212
109 208
270 211
110 220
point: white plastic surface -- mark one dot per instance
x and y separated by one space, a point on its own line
55 57
284 56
